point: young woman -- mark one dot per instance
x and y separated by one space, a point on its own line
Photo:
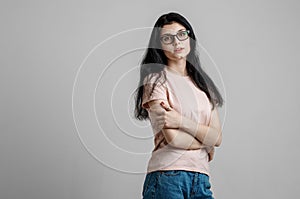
180 100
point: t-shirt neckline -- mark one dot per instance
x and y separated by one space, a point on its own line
175 74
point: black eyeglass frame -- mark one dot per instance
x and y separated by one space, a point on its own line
176 35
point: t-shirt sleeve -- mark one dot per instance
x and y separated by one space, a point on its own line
159 91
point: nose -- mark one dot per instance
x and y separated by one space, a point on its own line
176 41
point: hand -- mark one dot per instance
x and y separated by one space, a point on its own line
211 153
171 119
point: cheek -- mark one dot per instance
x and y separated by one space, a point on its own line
168 51
168 54
188 50
187 46
167 48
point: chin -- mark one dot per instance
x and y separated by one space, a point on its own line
180 56
173 56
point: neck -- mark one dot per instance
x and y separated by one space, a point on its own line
178 66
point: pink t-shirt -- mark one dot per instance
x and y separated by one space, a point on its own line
186 98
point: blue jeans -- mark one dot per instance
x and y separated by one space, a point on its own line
176 184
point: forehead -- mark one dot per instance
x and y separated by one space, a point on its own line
171 28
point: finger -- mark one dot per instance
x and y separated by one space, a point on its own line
165 106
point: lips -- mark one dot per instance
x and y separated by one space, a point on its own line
178 49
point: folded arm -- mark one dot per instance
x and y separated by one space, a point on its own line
174 136
180 139
210 135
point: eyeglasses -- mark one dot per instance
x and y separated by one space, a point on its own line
181 36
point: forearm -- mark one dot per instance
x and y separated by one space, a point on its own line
180 139
207 135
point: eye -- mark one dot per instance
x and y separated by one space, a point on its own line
182 34
166 38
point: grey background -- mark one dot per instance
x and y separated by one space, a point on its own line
43 43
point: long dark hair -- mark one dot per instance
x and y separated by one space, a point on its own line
154 61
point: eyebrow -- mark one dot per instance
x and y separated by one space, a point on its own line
171 34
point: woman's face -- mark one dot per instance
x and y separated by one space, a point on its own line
175 47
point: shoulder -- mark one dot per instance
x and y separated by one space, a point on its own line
155 78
